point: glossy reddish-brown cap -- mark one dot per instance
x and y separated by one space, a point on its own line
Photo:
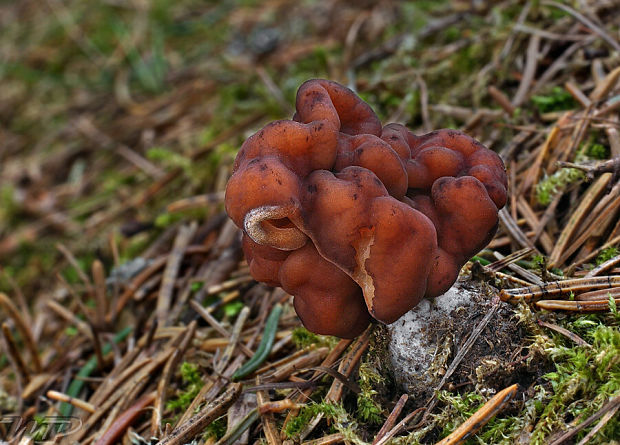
359 221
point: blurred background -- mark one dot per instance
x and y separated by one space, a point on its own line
101 101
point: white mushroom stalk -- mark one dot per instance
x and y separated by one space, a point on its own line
273 226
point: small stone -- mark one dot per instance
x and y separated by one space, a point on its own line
414 337
419 347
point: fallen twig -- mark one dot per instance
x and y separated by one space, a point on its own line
192 427
481 417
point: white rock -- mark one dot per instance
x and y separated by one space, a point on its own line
412 343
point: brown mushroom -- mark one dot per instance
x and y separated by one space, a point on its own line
355 220
326 299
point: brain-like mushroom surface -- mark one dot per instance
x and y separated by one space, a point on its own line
359 221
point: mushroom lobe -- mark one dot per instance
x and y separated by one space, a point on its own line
359 221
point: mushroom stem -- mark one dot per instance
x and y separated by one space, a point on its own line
272 226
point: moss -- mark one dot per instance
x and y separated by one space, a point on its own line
458 408
165 220
307 413
584 379
8 206
549 187
340 418
368 408
304 338
216 429
232 309
597 151
191 385
607 254
556 100
168 158
502 429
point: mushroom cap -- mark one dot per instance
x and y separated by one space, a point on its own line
264 261
326 299
359 221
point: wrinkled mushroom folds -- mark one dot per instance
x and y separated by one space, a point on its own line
357 220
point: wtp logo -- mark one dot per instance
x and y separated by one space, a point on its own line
40 428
